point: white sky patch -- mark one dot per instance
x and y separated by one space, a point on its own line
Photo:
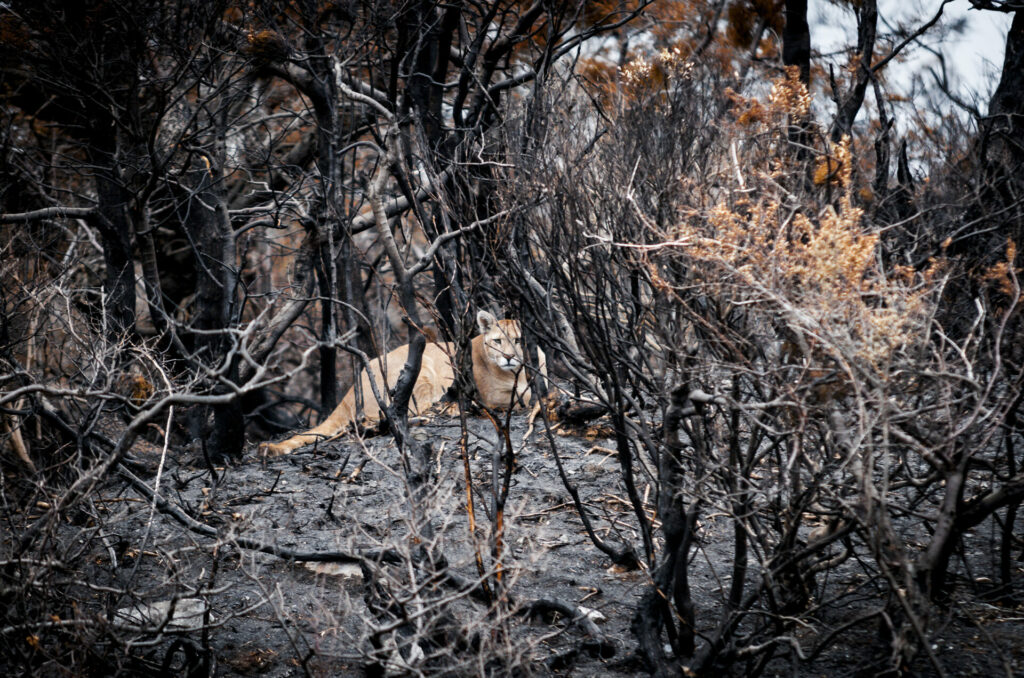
973 57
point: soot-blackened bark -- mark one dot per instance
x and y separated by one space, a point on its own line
796 51
116 237
850 104
209 228
429 55
671 578
316 79
1004 128
796 39
1002 147
325 107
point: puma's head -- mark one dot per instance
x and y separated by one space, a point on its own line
501 341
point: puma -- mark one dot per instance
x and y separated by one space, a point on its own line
497 370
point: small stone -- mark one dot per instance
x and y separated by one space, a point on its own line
343 570
187 614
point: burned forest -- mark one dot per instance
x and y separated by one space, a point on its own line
620 337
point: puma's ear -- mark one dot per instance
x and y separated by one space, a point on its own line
485 320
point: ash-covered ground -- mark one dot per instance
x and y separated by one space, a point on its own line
249 612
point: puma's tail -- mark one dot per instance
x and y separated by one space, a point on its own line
340 419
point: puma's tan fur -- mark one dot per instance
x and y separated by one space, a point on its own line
497 362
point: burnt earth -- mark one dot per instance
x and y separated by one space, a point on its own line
271 616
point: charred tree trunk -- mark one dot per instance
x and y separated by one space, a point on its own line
796 39
1003 129
430 57
1002 147
1007 539
329 165
850 104
668 599
796 52
209 228
116 238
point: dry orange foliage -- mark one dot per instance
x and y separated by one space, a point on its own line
1003 275
645 76
600 77
815 266
820 271
835 168
789 94
743 17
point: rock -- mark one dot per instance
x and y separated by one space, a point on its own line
343 570
595 616
184 614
